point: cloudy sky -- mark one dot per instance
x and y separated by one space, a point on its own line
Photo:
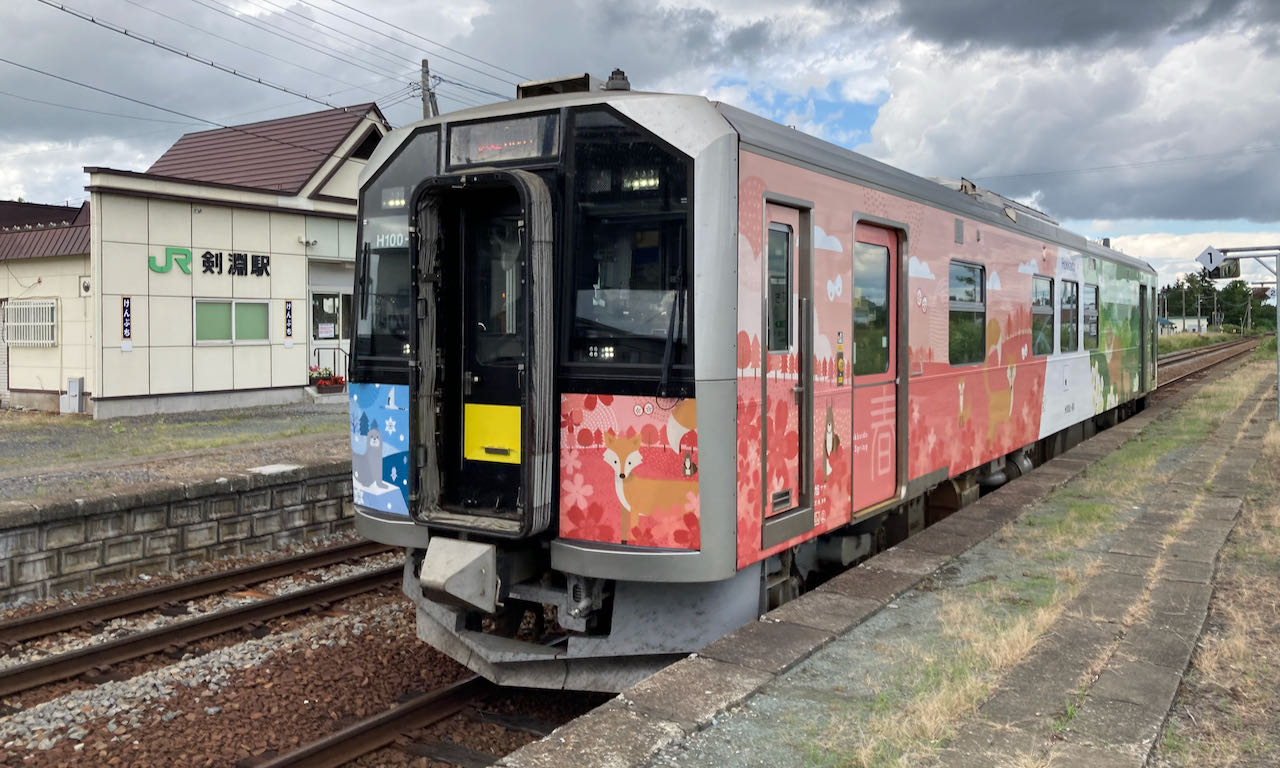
1153 122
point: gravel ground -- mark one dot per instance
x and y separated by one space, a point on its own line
265 696
65 642
46 457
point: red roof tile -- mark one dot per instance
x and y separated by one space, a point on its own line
49 241
14 213
277 155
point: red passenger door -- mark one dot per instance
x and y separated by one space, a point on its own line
874 366
788 503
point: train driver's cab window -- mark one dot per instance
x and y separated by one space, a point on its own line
1089 316
1069 317
629 300
1041 315
966 333
779 288
383 313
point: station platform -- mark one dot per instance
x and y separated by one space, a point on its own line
1049 623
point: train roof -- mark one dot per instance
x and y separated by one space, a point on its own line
772 139
963 197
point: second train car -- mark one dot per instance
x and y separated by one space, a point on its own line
631 368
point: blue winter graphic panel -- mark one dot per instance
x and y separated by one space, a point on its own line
380 447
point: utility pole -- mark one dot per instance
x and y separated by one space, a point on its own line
1216 257
429 107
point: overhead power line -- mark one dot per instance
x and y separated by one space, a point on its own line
271 29
97 111
237 43
308 28
398 40
185 54
346 36
432 42
236 128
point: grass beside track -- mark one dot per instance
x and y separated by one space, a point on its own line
1228 708
921 686
1176 342
37 440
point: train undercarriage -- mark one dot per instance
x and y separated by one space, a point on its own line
503 612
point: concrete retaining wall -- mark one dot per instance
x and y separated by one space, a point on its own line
70 545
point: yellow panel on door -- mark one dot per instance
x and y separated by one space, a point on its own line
491 433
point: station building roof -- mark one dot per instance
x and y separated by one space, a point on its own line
280 155
32 230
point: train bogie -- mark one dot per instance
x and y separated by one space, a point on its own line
631 368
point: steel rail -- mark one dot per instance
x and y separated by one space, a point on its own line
1212 356
1194 352
15 631
65 665
383 729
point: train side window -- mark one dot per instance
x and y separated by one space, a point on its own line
967 324
779 288
1041 315
1069 319
1089 316
870 309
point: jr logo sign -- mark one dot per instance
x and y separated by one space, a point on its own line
180 255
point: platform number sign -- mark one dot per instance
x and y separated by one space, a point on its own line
288 319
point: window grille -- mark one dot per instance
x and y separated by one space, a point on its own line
31 322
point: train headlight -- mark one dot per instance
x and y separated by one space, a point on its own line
641 180
393 197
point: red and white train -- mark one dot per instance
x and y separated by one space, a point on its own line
630 368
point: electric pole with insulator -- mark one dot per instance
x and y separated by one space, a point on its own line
429 107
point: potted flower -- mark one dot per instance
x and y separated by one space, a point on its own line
324 380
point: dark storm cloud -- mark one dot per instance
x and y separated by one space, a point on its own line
1077 24
63 45
1195 191
648 41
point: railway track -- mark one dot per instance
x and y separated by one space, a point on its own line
1175 366
100 657
19 630
383 729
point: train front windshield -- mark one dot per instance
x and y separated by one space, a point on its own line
557 262
384 268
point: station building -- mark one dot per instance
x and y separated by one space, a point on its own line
215 279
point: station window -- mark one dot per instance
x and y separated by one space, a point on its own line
1041 315
966 335
1089 316
231 321
779 288
1069 317
330 316
30 322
